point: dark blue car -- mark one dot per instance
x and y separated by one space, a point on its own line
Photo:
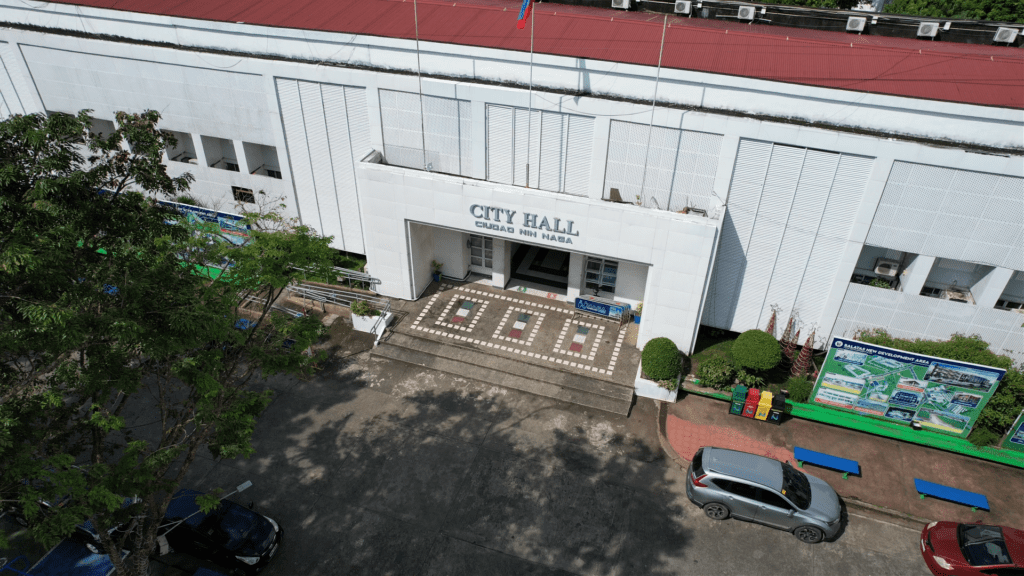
232 535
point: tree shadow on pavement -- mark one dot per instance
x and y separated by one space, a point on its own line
385 468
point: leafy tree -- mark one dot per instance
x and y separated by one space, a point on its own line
995 10
106 305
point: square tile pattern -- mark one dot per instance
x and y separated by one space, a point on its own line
522 318
581 334
519 327
467 313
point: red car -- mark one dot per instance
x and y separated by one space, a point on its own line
952 549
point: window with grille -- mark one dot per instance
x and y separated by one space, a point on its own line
243 195
481 251
600 276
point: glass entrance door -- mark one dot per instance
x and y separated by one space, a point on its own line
600 277
481 253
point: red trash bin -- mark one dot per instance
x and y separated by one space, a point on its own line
750 408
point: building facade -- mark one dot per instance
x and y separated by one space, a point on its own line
846 204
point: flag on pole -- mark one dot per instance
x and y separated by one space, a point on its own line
524 14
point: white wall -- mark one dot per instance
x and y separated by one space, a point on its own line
952 213
912 316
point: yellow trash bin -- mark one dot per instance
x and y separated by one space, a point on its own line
764 406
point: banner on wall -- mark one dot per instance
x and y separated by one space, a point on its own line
219 226
940 394
1015 439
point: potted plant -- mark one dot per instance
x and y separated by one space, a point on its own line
660 371
365 318
639 311
435 270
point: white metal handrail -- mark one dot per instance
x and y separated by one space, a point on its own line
364 280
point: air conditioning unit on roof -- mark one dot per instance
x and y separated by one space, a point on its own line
745 13
682 7
1007 35
928 29
620 4
886 268
856 24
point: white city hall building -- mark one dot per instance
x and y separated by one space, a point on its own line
711 169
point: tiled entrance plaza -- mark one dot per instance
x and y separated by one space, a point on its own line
524 327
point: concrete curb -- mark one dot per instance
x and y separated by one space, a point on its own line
849 500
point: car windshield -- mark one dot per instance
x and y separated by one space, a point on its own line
795 486
983 545
232 527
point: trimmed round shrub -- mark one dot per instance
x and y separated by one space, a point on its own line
715 372
799 389
756 350
660 359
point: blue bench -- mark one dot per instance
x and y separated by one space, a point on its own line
845 466
972 499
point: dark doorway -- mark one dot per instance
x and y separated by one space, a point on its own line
545 266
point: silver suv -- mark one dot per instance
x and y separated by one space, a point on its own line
728 483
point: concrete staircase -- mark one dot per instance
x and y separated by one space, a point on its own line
516 374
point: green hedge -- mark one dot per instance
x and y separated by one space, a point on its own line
715 372
756 350
660 359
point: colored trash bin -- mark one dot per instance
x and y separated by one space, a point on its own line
778 409
764 405
750 407
739 398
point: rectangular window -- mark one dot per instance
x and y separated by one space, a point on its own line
232 166
481 251
274 173
243 195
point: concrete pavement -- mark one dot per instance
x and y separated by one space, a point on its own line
377 467
888 467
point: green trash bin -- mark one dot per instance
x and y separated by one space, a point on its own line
739 397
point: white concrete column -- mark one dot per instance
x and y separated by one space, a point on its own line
240 159
479 151
576 262
914 276
197 143
598 160
501 273
988 290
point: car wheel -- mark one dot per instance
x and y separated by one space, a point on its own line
809 534
716 511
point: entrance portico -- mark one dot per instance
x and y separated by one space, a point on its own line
522 235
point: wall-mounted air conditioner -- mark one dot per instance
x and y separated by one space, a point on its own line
620 4
928 29
1007 35
886 268
682 7
856 24
745 13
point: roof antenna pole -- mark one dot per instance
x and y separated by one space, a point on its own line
650 126
419 80
529 114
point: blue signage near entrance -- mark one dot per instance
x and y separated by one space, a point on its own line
603 308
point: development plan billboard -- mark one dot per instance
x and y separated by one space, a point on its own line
898 386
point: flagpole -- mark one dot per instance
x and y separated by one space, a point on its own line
654 101
419 80
529 114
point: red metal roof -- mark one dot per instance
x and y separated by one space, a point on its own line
968 73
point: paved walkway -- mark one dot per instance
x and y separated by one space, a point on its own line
888 467
524 327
